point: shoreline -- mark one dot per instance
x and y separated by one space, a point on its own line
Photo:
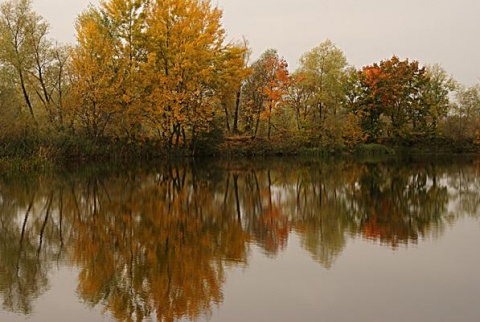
40 157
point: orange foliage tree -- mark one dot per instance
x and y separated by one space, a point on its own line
390 98
265 90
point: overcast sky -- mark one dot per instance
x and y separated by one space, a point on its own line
446 32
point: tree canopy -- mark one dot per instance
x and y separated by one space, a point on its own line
162 74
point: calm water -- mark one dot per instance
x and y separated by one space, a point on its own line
258 240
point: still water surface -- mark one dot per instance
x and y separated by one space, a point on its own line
258 240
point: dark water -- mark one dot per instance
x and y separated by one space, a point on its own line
258 240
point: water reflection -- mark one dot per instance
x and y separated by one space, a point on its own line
29 245
400 204
156 243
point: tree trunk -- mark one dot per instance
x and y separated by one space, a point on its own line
235 115
227 117
26 96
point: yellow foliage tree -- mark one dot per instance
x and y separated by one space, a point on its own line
185 41
232 73
95 81
153 69
106 71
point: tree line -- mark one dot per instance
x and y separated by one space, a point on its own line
161 72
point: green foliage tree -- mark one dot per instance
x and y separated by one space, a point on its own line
435 98
34 65
323 73
463 124
320 95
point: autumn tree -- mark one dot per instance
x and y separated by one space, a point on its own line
435 97
232 74
154 69
392 98
463 123
17 20
33 63
264 91
323 73
318 97
298 98
106 69
94 78
10 110
126 29
185 49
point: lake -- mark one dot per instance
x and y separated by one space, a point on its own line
244 240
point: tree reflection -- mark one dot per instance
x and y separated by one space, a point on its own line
464 182
30 241
322 215
156 243
397 204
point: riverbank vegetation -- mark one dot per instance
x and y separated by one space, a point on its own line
147 79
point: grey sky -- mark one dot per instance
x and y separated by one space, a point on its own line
446 32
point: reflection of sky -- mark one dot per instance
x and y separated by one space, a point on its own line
59 303
435 280
457 190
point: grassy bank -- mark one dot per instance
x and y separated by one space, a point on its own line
30 152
